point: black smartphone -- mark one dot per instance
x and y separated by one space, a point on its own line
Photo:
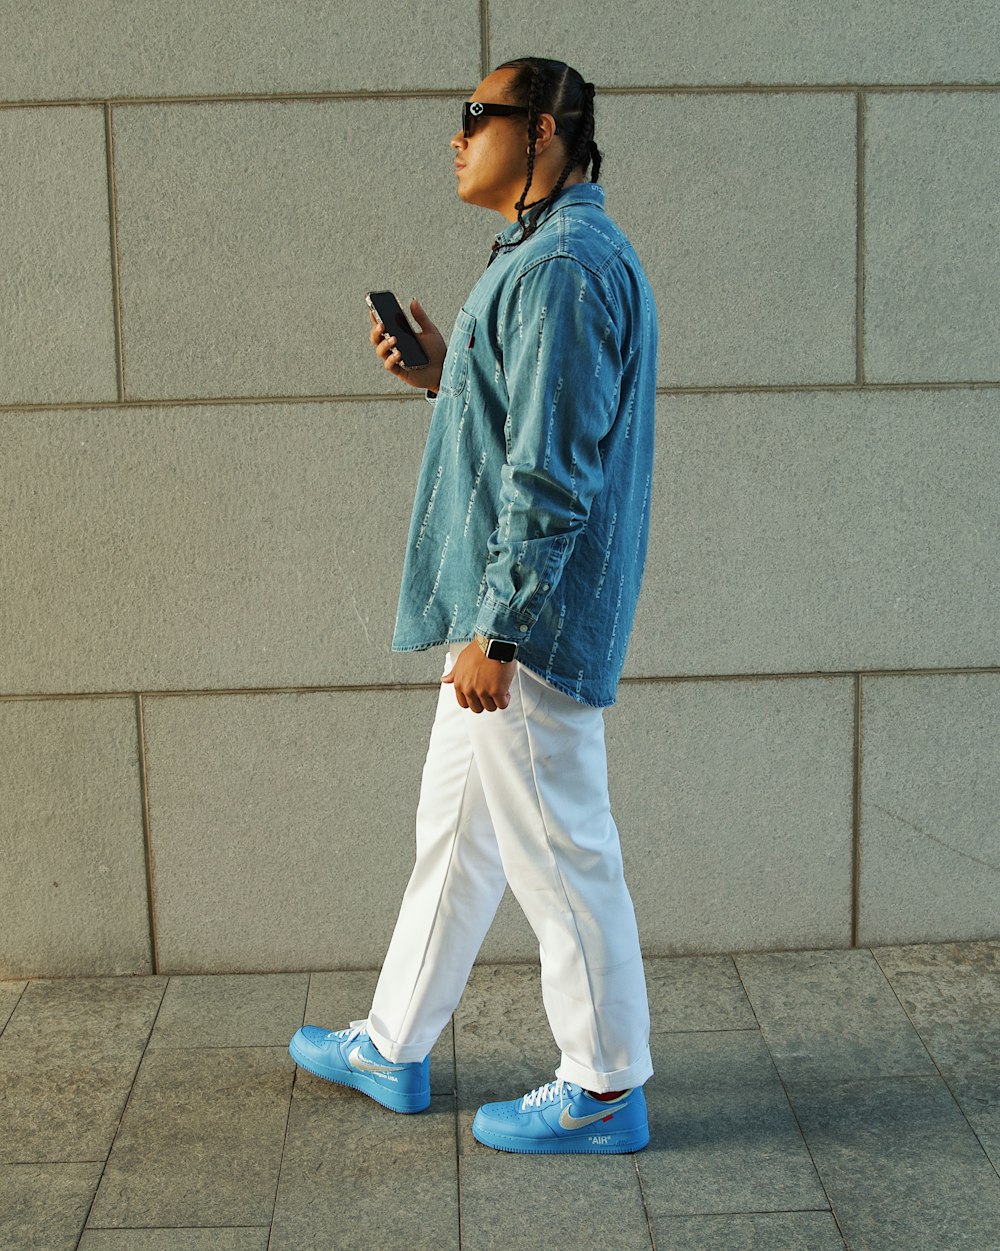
386 308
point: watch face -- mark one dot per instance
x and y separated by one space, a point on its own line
500 651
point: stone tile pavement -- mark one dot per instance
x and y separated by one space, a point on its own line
803 1101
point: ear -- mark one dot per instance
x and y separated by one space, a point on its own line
545 131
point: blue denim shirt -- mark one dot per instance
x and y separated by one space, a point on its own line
532 508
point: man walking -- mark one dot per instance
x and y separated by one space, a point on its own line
525 556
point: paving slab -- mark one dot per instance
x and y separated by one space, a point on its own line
559 1202
803 532
242 275
832 1016
73 891
246 1010
43 1206
503 1044
750 1231
930 787
355 1174
814 42
755 278
722 1135
184 47
336 999
503 1049
931 267
978 1095
308 859
68 1058
733 798
901 1165
57 315
951 993
91 1011
175 1239
200 1141
696 993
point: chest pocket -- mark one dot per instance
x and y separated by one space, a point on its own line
456 361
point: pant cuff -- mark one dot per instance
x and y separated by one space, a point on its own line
622 1079
399 1053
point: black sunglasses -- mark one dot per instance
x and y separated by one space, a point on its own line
471 109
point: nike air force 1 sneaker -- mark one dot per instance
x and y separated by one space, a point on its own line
350 1058
561 1117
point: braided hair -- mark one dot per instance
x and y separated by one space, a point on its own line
545 86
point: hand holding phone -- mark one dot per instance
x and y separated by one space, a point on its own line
387 310
416 357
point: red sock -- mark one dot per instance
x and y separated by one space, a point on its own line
611 1094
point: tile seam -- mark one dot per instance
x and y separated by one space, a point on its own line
288 1118
745 1212
109 150
856 816
154 953
362 397
27 983
128 1098
802 1135
859 315
458 1130
940 1072
642 1199
418 93
386 688
484 44
733 956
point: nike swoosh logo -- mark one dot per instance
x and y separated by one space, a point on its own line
357 1061
568 1121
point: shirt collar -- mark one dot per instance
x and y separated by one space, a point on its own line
579 193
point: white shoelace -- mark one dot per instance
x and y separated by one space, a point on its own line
544 1094
354 1030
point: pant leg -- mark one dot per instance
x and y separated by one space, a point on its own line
543 766
453 894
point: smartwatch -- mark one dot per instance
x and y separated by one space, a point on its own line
497 649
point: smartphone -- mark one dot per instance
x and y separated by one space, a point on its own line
386 308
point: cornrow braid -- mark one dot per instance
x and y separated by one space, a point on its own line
534 100
546 86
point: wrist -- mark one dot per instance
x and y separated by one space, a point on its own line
496 649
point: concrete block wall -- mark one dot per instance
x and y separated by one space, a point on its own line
209 759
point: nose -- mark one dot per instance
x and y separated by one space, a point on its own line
458 140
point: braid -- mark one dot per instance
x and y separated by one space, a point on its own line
545 86
534 102
582 143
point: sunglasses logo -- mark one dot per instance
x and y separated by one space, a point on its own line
476 108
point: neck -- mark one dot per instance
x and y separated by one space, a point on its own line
539 189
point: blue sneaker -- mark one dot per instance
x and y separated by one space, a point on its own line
350 1058
561 1117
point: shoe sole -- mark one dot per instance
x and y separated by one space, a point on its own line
623 1143
358 1081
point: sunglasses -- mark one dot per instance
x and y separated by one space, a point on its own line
471 109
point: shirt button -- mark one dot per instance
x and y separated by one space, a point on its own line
523 629
545 586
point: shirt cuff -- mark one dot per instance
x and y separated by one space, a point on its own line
497 621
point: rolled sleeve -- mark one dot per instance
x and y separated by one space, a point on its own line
562 367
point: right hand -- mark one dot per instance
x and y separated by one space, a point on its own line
426 377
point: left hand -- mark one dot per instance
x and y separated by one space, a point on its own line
481 685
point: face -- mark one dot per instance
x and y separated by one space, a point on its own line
492 164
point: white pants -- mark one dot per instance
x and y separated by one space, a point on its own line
521 796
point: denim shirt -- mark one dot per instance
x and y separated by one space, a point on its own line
531 514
